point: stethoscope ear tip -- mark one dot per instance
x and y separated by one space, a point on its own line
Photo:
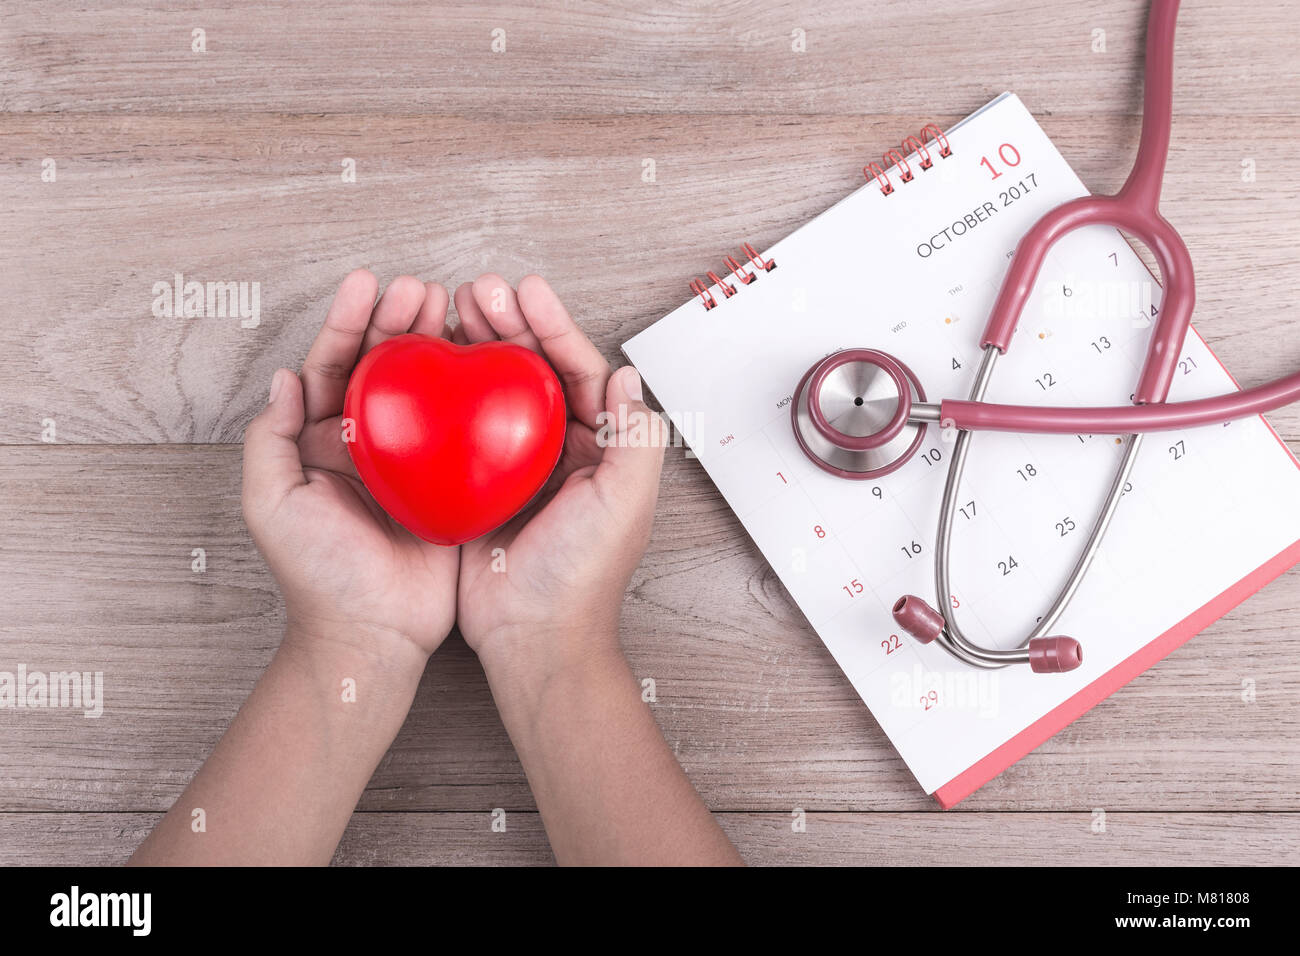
1046 655
917 618
1054 655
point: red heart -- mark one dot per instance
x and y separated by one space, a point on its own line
453 440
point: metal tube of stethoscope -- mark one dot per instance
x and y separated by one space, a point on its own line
851 415
952 639
1042 652
914 615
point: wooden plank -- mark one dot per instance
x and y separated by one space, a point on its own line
260 199
225 165
619 57
97 572
764 839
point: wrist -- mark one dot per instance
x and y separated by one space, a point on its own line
525 648
350 646
524 668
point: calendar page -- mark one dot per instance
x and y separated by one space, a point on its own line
1210 514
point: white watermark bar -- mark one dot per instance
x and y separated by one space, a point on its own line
24 689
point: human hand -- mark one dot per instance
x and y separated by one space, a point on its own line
349 574
539 601
547 586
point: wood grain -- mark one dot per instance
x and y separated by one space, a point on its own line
625 57
97 568
838 839
260 199
225 166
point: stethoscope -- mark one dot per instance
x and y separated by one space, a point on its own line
862 414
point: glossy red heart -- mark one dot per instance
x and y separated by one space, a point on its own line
453 440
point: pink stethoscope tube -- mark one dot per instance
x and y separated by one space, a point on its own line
850 447
1135 210
1121 419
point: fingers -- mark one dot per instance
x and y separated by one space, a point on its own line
321 445
634 438
581 367
499 305
432 318
535 318
473 325
333 355
395 312
272 466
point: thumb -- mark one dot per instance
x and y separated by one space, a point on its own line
272 465
634 438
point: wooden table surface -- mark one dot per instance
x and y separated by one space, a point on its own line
226 165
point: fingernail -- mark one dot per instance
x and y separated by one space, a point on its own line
631 383
277 383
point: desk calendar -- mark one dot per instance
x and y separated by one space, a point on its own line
1211 513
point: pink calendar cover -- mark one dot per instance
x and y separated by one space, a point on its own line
913 271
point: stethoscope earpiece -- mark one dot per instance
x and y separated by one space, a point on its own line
1045 655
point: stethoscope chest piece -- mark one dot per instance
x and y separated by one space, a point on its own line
850 414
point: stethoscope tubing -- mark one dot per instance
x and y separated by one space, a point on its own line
1120 419
1134 210
950 637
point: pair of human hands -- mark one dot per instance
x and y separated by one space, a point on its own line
546 585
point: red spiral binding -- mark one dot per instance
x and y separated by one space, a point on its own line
702 290
899 160
735 267
738 270
897 157
873 169
916 146
727 290
893 157
754 257
944 149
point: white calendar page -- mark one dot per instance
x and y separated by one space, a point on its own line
1212 514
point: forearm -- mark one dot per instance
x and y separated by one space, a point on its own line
282 783
609 790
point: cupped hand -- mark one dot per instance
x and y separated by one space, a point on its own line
348 572
551 581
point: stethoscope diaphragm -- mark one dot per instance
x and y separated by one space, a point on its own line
851 414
